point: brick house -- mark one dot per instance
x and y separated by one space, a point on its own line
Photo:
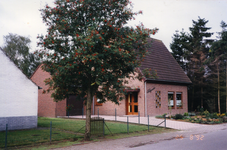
47 107
18 97
166 94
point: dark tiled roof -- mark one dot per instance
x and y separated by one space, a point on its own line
161 60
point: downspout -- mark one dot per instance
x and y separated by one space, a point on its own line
145 96
93 105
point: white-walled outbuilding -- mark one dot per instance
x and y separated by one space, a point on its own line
18 97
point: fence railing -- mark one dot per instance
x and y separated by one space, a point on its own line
162 121
15 138
68 129
116 117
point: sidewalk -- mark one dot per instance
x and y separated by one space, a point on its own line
152 121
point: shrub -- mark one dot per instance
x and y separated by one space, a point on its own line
201 110
208 119
191 114
222 115
186 114
186 117
179 116
224 119
159 116
205 122
221 120
214 115
198 120
164 115
206 113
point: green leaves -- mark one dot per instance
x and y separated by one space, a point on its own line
17 49
87 44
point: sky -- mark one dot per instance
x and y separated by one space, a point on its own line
23 17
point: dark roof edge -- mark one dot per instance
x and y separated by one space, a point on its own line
149 80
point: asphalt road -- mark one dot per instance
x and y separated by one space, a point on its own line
210 137
216 140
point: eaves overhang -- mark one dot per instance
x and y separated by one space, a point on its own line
150 80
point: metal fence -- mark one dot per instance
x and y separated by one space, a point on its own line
60 130
15 138
116 118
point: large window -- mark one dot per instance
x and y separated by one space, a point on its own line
171 99
179 100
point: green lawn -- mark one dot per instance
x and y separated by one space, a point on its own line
29 137
66 130
75 125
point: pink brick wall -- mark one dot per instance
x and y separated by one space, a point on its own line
108 108
46 105
60 108
165 88
48 108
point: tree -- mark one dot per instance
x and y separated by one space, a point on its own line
178 47
89 50
17 49
200 45
217 61
192 49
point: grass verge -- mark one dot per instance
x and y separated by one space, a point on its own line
64 133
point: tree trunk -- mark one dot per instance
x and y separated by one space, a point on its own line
193 96
202 97
219 110
226 87
88 115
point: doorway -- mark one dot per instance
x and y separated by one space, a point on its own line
132 103
77 105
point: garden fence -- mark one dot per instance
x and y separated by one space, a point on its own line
124 119
70 129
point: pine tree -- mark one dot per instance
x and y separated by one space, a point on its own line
179 48
217 62
192 49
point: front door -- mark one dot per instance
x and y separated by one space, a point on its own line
132 104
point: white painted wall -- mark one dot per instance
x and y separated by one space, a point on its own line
18 94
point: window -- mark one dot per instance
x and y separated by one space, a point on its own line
97 101
179 100
158 99
171 99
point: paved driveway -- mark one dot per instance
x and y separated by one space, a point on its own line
179 125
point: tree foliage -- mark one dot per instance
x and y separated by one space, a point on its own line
191 50
89 50
178 47
17 49
217 63
204 61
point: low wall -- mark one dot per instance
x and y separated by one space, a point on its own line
15 123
